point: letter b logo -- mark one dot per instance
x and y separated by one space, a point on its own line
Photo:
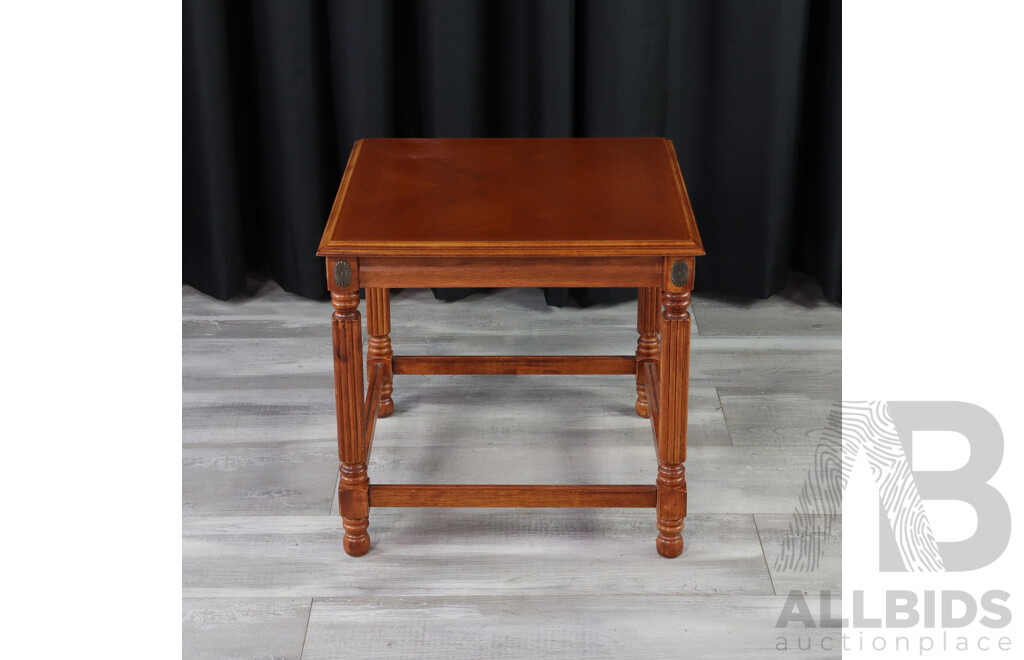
905 530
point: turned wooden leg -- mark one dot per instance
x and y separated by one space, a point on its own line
674 394
378 326
648 346
348 395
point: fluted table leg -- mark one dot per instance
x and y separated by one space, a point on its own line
348 397
674 395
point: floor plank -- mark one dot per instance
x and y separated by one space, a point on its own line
489 409
243 628
819 543
438 552
806 363
252 416
262 479
558 626
813 363
504 409
758 416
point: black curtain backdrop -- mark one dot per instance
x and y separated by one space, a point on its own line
275 93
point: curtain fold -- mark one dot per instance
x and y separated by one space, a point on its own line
275 93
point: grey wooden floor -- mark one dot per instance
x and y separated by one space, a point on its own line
264 574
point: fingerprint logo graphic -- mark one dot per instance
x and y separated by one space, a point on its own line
855 429
868 428
817 515
881 433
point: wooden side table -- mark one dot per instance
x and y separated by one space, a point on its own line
574 212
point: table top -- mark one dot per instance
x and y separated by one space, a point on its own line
512 196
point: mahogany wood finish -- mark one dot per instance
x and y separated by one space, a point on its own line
378 326
514 364
510 272
348 395
504 213
674 394
465 495
648 346
611 197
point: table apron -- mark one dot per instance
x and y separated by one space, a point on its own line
414 272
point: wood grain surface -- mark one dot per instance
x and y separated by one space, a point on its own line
530 495
515 364
511 197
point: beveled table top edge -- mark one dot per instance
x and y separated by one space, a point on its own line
566 250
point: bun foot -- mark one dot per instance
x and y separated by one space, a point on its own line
357 541
385 407
357 546
670 547
643 409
